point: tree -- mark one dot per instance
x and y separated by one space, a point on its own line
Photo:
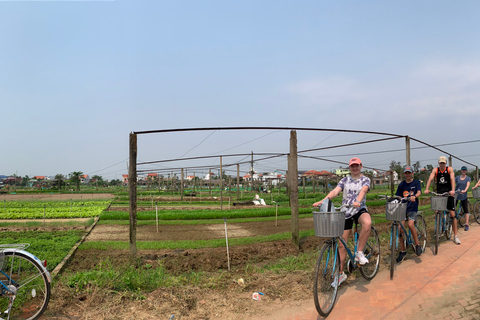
115 182
397 167
25 181
75 178
416 167
59 180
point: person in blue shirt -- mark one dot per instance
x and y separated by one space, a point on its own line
463 183
411 189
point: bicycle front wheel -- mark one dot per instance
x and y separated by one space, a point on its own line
325 286
372 253
461 217
28 287
476 211
421 228
394 241
438 229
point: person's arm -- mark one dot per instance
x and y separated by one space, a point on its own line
466 189
452 179
478 183
399 192
430 179
330 196
360 196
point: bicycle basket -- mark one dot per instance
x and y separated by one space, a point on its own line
328 224
476 193
438 203
395 211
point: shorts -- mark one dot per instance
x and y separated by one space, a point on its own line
451 203
464 205
349 221
411 215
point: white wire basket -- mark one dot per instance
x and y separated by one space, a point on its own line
328 224
476 193
395 211
438 203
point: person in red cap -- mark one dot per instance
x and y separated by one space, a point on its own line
354 188
445 179
463 184
411 189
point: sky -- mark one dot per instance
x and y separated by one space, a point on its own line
77 77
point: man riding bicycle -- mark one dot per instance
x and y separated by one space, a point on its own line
445 180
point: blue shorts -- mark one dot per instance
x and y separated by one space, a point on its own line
411 215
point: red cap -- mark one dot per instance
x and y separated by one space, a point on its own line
355 161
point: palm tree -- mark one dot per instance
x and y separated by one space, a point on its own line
75 178
59 180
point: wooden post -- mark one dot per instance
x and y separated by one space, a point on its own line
304 194
238 181
221 184
210 182
293 188
407 149
313 184
392 184
450 161
132 194
181 186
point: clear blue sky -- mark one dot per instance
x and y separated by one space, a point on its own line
76 77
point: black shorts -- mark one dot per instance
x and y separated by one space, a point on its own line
464 205
349 221
451 203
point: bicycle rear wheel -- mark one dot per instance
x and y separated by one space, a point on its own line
448 226
372 253
421 228
438 229
326 274
476 211
393 248
28 287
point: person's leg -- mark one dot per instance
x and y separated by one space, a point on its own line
366 222
341 249
465 211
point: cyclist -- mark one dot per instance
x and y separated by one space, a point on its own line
445 180
475 186
409 188
463 183
354 188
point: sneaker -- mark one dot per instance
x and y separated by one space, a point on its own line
456 240
341 278
401 256
418 249
360 258
467 227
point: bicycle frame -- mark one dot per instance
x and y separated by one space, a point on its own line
408 235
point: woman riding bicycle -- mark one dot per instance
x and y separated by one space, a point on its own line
354 188
463 183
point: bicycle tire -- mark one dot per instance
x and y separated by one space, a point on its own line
461 217
448 226
372 253
29 281
421 228
438 229
393 249
476 211
326 272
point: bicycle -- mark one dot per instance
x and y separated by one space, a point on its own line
475 207
325 287
24 283
396 212
443 221
459 214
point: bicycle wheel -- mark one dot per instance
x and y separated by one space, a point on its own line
28 286
461 217
438 229
448 226
326 273
393 248
421 228
372 253
476 211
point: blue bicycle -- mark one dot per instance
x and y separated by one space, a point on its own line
325 287
443 221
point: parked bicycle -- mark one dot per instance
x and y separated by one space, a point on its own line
396 212
325 287
24 283
475 206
